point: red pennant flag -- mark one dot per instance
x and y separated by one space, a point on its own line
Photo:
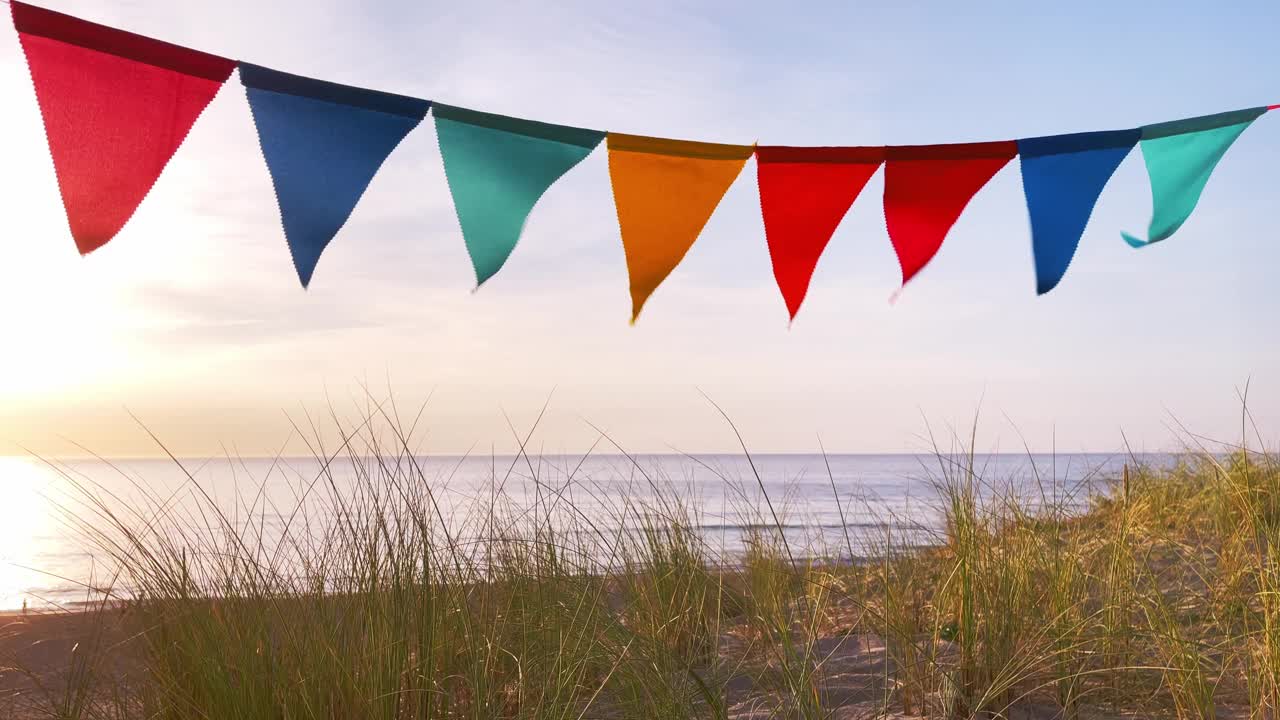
804 194
116 106
926 187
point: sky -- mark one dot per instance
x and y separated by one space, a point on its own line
192 320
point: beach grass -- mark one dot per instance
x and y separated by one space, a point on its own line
1153 594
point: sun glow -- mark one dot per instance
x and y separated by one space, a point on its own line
59 332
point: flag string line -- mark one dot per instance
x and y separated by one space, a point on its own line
1269 107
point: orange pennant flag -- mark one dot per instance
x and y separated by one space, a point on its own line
665 191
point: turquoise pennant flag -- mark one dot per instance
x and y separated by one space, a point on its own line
497 168
1180 157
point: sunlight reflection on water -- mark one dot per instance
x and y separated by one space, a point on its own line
27 521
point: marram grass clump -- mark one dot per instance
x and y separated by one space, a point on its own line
1160 598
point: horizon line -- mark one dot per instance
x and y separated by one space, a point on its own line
614 454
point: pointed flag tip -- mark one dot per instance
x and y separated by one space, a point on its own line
304 276
88 241
1133 241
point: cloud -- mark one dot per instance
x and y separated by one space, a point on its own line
221 318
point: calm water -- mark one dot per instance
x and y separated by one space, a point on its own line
43 560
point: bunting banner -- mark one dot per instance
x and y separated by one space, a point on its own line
1062 178
926 187
115 106
497 168
323 143
804 194
664 192
1180 156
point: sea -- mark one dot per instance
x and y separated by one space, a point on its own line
843 507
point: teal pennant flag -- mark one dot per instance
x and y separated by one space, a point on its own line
1180 157
497 168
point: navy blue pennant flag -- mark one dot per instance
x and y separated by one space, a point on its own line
1062 177
323 143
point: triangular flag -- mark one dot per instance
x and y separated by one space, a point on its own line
804 194
497 168
115 106
1180 157
926 187
323 143
1062 177
665 191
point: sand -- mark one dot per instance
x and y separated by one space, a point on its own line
40 650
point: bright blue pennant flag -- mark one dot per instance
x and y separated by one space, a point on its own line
323 143
1062 177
